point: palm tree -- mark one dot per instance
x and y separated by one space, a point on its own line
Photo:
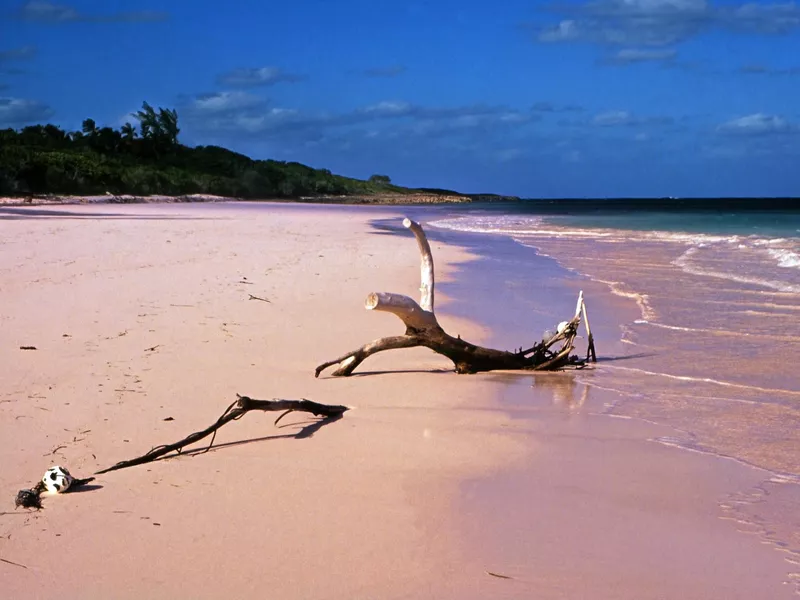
148 121
89 127
128 131
168 125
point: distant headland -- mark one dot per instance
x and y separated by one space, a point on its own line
42 164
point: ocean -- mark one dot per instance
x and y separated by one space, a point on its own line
698 314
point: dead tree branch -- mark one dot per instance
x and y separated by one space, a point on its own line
423 329
235 411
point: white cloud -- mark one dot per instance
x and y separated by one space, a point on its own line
222 102
42 11
764 70
658 23
238 113
388 109
565 31
15 112
613 118
255 77
548 107
623 118
638 55
756 125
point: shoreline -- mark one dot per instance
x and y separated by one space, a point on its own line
413 198
382 503
747 494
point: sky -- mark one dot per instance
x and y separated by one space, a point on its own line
571 98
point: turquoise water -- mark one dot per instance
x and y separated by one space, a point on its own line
781 220
771 224
751 247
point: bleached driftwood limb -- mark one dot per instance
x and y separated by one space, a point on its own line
426 264
590 352
423 329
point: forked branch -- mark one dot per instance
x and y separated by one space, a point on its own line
423 329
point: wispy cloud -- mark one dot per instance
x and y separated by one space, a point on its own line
390 71
758 124
257 77
659 23
225 102
623 118
23 53
242 114
15 112
549 107
628 56
42 11
764 70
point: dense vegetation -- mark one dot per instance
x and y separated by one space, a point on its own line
44 159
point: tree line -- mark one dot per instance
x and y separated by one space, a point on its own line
45 159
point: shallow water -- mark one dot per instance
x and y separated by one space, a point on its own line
718 329
704 337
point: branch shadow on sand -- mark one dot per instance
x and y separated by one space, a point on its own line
88 487
308 429
434 371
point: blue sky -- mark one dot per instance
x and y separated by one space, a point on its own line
538 99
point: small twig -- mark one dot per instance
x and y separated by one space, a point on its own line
56 449
247 282
152 348
282 415
10 562
498 575
258 298
27 348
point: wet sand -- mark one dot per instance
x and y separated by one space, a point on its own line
141 313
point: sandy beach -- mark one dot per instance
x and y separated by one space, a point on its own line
434 485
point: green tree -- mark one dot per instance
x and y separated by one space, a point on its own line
89 127
168 129
46 159
148 121
128 131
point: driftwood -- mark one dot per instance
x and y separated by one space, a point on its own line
423 329
235 411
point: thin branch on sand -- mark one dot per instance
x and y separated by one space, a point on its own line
236 410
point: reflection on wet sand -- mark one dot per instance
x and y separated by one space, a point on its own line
567 392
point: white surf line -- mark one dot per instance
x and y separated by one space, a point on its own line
783 338
775 476
703 380
682 262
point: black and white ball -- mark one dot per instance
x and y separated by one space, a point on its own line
57 479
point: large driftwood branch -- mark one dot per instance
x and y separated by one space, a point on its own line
423 329
235 411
